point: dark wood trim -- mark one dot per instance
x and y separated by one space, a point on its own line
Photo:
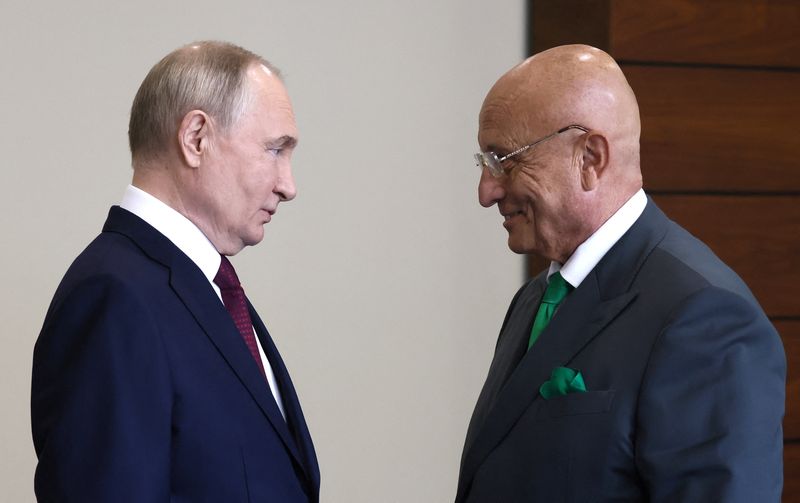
588 22
718 66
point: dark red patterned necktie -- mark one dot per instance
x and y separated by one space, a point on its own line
233 298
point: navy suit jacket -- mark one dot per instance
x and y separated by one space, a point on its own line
685 380
144 391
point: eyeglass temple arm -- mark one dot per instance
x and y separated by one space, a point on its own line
526 147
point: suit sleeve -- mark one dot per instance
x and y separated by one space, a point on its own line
711 406
101 399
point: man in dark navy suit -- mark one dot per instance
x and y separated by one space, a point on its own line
153 377
638 366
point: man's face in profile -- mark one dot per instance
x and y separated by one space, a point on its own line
536 195
249 171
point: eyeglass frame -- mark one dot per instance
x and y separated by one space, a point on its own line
484 161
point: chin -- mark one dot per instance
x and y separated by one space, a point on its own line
518 247
254 238
518 243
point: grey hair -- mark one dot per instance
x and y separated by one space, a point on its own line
207 76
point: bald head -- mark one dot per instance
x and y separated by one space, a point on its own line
576 180
573 84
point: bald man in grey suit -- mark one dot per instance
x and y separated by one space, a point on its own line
658 376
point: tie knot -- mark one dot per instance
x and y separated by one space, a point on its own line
557 289
226 276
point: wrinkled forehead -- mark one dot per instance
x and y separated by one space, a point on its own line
514 112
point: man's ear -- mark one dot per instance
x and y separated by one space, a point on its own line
594 160
194 136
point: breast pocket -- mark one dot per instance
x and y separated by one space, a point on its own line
573 404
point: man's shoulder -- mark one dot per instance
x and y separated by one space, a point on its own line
685 260
114 258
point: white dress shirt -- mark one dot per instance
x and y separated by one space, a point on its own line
192 242
590 252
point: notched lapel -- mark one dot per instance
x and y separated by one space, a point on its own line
193 290
584 316
291 403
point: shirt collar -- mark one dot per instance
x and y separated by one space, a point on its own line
590 252
177 228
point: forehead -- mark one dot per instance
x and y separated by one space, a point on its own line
270 101
523 105
505 120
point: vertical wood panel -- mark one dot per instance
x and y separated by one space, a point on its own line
791 473
718 129
587 22
790 334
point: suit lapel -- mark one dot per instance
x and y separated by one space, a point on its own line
215 321
191 286
291 404
600 298
511 347
579 320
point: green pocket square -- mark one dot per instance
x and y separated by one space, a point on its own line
563 380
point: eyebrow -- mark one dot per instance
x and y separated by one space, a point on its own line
497 149
284 141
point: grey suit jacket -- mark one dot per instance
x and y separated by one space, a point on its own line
685 380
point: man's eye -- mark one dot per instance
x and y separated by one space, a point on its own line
275 151
511 168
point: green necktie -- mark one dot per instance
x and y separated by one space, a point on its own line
556 290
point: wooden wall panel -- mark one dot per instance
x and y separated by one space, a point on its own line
756 236
791 473
790 333
563 22
700 134
744 32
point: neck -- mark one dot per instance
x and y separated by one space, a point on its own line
155 178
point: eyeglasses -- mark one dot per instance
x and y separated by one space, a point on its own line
492 161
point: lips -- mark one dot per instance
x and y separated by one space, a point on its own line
508 215
268 217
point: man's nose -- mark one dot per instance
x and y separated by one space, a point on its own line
490 189
285 187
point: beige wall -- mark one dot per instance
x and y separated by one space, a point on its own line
384 283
